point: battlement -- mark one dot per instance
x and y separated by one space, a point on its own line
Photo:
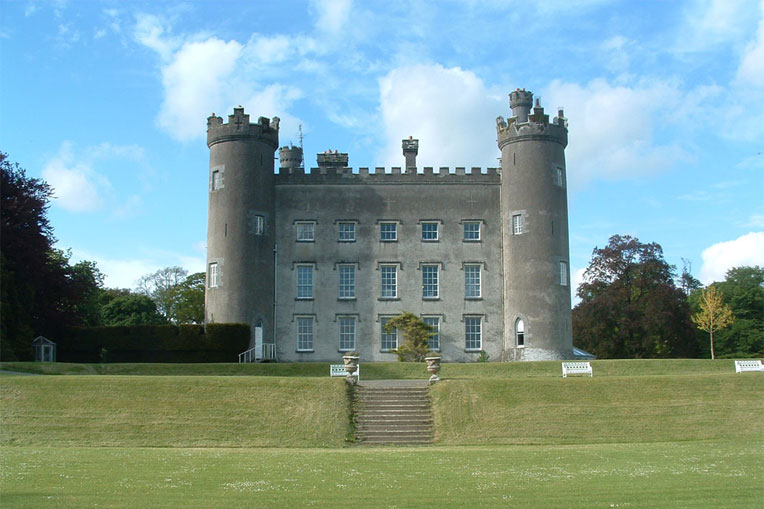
239 126
379 175
536 125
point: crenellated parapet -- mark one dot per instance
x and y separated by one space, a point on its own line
239 127
397 175
535 125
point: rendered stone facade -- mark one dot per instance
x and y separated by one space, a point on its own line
317 260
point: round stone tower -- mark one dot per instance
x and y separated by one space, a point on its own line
290 157
534 207
241 223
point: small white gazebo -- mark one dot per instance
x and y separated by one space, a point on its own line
44 349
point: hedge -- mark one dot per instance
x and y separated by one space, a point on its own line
215 342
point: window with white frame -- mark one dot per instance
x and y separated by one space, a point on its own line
347 281
259 224
473 333
346 232
389 339
389 275
430 281
434 341
304 281
472 281
213 276
557 176
563 274
217 180
430 231
520 333
517 224
306 231
471 231
347 333
388 232
304 333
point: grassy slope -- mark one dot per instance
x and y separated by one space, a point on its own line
651 408
173 412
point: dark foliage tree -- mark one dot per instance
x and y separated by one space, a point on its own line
131 309
743 291
41 293
188 299
630 307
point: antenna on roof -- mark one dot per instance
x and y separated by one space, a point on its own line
302 160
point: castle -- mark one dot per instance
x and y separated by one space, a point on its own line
318 261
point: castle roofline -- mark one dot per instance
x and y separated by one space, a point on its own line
379 175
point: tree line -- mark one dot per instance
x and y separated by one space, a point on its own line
633 305
632 302
42 292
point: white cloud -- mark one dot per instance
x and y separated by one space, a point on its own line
611 129
709 23
751 70
195 82
719 258
77 187
449 110
151 32
577 275
755 221
332 15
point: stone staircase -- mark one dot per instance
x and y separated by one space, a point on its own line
392 415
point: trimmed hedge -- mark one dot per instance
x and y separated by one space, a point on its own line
215 342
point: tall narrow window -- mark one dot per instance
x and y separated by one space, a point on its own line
347 334
557 176
429 281
517 224
389 340
563 274
217 180
472 281
473 332
520 332
389 281
434 341
471 231
306 231
259 225
347 232
430 231
304 334
347 281
304 281
213 275
388 232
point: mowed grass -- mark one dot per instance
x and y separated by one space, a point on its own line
165 411
686 474
638 434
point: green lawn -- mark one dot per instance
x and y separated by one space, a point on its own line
686 474
639 434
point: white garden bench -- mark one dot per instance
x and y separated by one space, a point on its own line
741 366
576 368
339 370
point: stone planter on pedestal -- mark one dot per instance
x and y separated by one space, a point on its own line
351 366
433 366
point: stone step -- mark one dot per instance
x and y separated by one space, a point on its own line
393 416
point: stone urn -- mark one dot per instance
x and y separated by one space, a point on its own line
351 366
433 366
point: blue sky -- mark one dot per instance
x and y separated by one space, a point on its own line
108 102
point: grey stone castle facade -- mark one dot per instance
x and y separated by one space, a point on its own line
317 261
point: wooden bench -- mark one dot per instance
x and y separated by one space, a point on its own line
576 368
741 366
339 370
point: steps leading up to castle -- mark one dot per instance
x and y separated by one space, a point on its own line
393 415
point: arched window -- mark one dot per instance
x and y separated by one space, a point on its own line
520 332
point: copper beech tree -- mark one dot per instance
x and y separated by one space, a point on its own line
714 314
